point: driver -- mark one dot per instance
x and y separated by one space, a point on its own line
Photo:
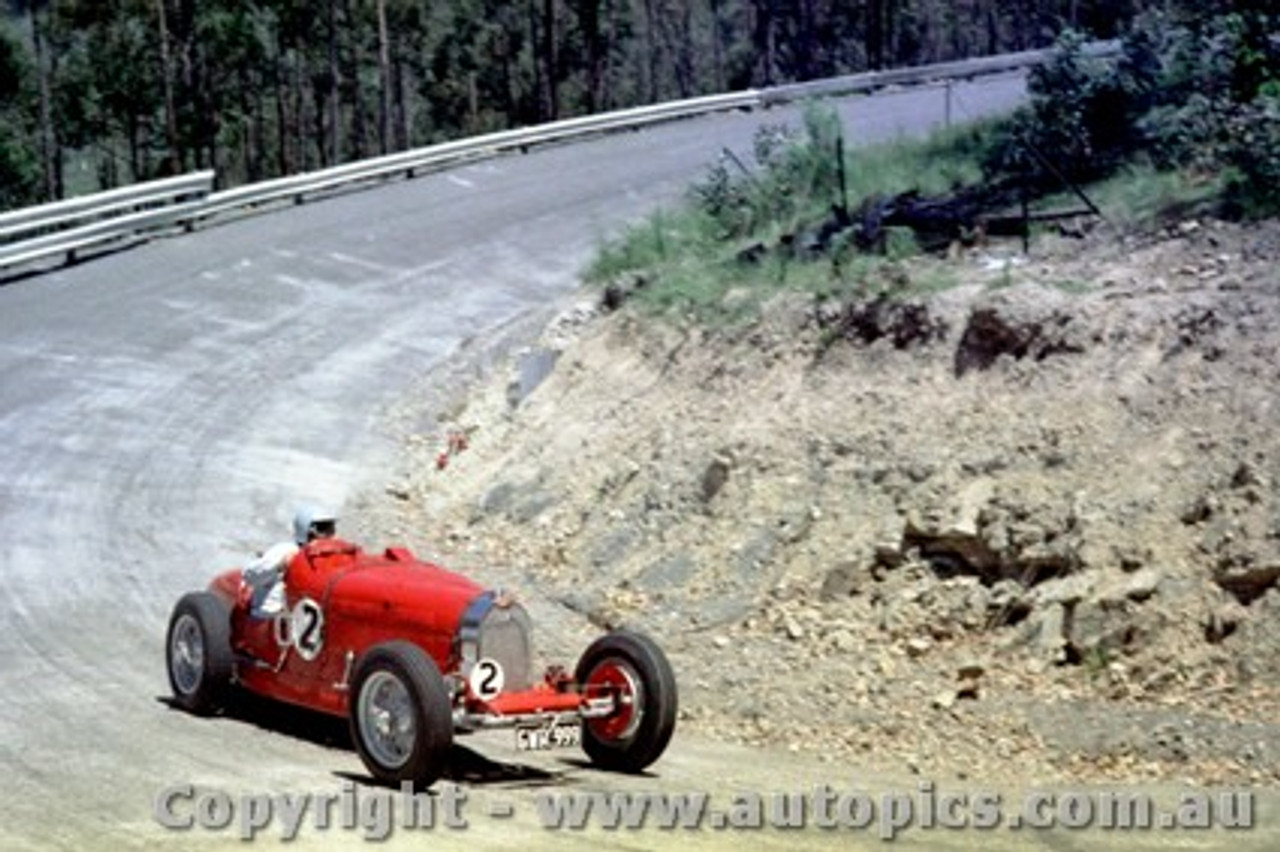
265 575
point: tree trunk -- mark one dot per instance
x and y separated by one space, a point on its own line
809 49
138 170
402 120
170 110
717 45
875 34
509 108
384 76
686 65
335 108
651 39
48 150
549 56
610 39
589 22
473 104
251 111
765 39
993 30
286 132
359 125
535 41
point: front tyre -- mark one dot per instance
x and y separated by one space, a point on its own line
198 652
632 668
400 716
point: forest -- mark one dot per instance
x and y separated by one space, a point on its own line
101 93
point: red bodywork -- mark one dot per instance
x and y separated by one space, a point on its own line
365 599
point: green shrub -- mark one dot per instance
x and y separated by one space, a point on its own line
1078 124
19 161
795 174
1253 151
1194 93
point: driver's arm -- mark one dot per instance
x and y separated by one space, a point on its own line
270 564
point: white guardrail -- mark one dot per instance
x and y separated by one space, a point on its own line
66 227
136 212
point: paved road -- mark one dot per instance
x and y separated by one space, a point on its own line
162 408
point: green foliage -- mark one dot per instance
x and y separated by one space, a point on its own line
796 174
1140 194
19 170
1095 661
1253 150
1081 122
19 162
13 66
1191 93
262 88
692 258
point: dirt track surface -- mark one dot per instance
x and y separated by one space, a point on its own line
163 408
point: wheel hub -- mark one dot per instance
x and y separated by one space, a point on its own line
623 681
186 655
385 718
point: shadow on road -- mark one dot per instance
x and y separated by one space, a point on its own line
279 718
465 764
583 763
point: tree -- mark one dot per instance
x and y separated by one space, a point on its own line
260 88
20 173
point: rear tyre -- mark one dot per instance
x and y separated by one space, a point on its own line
400 716
198 653
631 667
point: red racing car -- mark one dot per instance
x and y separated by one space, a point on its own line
411 653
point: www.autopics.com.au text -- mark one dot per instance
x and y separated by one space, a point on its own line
376 813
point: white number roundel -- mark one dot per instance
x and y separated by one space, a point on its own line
486 679
303 628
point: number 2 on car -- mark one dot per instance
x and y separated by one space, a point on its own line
486 679
302 627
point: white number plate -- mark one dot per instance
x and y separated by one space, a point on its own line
549 736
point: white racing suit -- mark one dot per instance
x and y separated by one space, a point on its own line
265 575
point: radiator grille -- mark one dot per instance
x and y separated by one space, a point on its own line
505 636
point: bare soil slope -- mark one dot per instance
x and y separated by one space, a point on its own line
1026 526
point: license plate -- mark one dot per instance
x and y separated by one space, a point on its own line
549 736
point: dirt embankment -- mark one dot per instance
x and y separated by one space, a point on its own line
1029 525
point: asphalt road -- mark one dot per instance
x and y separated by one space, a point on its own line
163 408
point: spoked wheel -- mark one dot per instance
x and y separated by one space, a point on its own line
198 652
401 721
632 669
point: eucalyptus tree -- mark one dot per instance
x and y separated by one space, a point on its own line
20 172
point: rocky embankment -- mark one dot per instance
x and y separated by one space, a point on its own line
1028 525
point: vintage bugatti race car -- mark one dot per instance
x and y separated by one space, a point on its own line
411 654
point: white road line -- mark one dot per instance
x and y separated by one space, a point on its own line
362 263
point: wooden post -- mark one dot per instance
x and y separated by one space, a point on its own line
1026 216
844 185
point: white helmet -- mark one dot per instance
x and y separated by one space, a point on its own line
311 522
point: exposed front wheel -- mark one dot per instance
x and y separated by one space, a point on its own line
198 652
401 720
632 669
